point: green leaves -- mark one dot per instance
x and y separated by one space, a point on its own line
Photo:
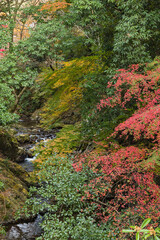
131 36
2 230
127 231
134 33
147 233
137 236
60 191
4 33
47 42
145 222
16 75
1 185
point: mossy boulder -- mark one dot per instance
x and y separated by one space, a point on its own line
23 138
14 183
9 146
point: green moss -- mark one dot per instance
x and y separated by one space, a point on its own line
15 181
155 160
23 138
8 144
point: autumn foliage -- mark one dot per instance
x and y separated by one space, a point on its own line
139 91
1 51
51 7
121 181
67 86
121 186
124 179
133 88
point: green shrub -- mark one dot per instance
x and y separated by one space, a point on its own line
60 191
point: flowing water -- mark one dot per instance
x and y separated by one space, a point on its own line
31 229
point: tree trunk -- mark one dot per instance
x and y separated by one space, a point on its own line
18 97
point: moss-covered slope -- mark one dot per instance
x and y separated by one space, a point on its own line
14 182
63 90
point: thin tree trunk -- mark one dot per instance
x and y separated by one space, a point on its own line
18 97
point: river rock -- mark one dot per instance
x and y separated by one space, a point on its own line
25 231
36 116
23 138
9 146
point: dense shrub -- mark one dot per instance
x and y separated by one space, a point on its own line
94 197
60 192
124 190
133 88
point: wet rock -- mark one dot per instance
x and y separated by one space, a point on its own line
29 153
23 138
25 231
15 233
9 145
21 155
27 138
33 138
36 116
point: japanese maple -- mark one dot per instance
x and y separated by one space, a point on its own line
132 87
121 186
52 7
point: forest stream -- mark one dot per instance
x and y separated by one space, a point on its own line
28 230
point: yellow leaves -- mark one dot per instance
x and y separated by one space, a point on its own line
64 88
66 141
2 14
60 83
68 64
52 7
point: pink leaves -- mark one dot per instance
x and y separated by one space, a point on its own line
143 92
1 51
121 175
145 125
133 86
122 185
4 26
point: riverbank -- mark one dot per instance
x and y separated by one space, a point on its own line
15 178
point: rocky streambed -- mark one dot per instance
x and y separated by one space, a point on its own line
20 144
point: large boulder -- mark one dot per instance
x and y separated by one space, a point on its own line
9 146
